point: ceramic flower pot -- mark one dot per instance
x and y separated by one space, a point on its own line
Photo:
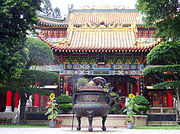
130 125
58 125
52 124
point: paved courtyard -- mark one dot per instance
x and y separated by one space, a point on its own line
69 131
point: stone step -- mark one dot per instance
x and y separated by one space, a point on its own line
112 121
161 123
37 122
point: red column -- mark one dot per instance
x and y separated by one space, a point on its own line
169 99
138 92
136 89
66 86
169 96
9 102
16 101
47 100
36 100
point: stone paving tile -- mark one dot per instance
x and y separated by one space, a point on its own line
84 130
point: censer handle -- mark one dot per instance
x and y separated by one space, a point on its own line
73 95
109 95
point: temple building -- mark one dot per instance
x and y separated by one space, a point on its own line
108 42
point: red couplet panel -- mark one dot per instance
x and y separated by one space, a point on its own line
169 96
9 98
36 100
169 99
16 99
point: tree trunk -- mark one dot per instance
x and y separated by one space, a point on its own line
22 109
178 105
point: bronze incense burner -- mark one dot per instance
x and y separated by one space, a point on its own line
90 102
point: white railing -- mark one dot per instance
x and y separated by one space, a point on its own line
162 110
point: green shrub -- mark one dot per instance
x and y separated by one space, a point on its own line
140 100
112 110
65 108
142 104
82 82
63 99
115 107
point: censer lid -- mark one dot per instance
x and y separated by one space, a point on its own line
91 88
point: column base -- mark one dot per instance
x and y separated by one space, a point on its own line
8 109
15 109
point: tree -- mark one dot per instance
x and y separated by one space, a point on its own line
166 72
35 52
38 52
30 78
26 86
17 17
163 14
49 11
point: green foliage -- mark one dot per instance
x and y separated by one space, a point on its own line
164 14
52 111
159 73
142 104
11 61
106 87
166 53
39 53
167 84
161 69
113 94
49 11
65 108
112 110
130 117
82 82
140 100
115 104
64 102
63 99
17 17
167 74
25 90
31 77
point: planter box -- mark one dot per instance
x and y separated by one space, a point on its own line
10 117
112 121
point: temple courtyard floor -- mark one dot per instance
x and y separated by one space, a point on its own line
84 130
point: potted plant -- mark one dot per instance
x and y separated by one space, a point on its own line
52 111
130 118
58 122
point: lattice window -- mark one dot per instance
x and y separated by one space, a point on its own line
140 34
145 34
151 32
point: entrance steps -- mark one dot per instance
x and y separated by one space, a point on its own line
37 122
112 121
161 123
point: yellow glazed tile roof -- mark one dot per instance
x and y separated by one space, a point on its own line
99 38
122 18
